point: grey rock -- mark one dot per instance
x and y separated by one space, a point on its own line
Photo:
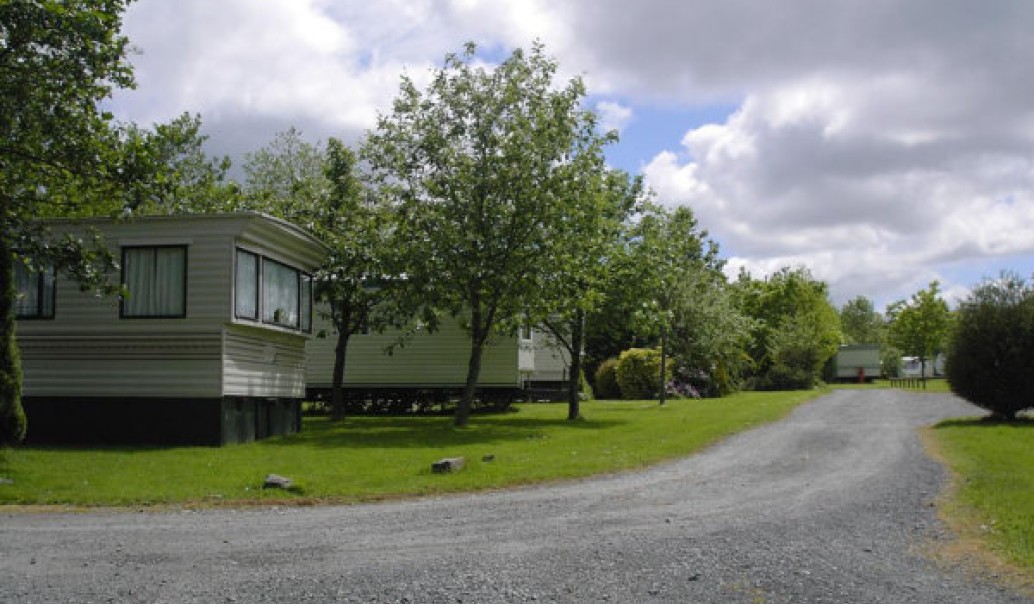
448 464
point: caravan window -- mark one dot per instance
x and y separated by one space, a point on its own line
246 292
35 299
155 279
281 295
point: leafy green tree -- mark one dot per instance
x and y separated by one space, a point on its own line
183 178
322 189
577 269
860 322
675 260
288 178
709 334
477 164
920 326
61 154
796 328
991 349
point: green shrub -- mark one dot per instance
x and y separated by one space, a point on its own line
607 380
890 362
991 351
639 372
585 390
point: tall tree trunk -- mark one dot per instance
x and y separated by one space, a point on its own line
337 393
574 386
478 335
664 364
12 417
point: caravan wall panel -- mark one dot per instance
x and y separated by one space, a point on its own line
435 360
184 365
258 363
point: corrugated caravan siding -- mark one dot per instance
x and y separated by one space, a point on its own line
165 366
438 359
209 276
551 361
258 362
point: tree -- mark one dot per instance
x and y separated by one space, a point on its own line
476 163
920 326
60 153
673 257
860 322
288 178
709 334
991 349
578 268
796 329
322 190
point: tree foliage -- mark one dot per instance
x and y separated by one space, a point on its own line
61 154
860 322
795 331
920 326
322 189
991 349
481 163
576 270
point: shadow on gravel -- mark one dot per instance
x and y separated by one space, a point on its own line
403 433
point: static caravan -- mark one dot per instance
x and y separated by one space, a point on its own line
551 374
858 362
207 348
429 363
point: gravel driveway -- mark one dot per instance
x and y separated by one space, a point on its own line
831 505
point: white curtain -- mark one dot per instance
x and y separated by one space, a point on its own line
246 290
156 280
279 294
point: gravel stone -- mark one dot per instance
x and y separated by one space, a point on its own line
832 504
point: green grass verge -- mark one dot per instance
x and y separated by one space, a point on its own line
366 459
993 463
936 385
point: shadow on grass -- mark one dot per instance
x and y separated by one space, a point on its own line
403 432
987 421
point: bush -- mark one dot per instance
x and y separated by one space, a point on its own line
607 380
584 389
639 373
890 362
991 349
783 377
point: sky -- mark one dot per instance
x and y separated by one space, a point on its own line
881 144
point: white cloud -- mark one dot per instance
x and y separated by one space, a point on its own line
880 143
613 116
830 173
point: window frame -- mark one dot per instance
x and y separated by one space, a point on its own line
301 277
258 284
41 291
186 270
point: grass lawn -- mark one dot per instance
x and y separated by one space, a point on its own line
368 458
993 491
932 385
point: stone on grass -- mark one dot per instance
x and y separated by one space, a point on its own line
448 464
4 481
276 481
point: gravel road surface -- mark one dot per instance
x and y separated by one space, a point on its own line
833 504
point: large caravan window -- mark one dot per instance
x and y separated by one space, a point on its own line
156 282
246 293
35 293
275 292
279 294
